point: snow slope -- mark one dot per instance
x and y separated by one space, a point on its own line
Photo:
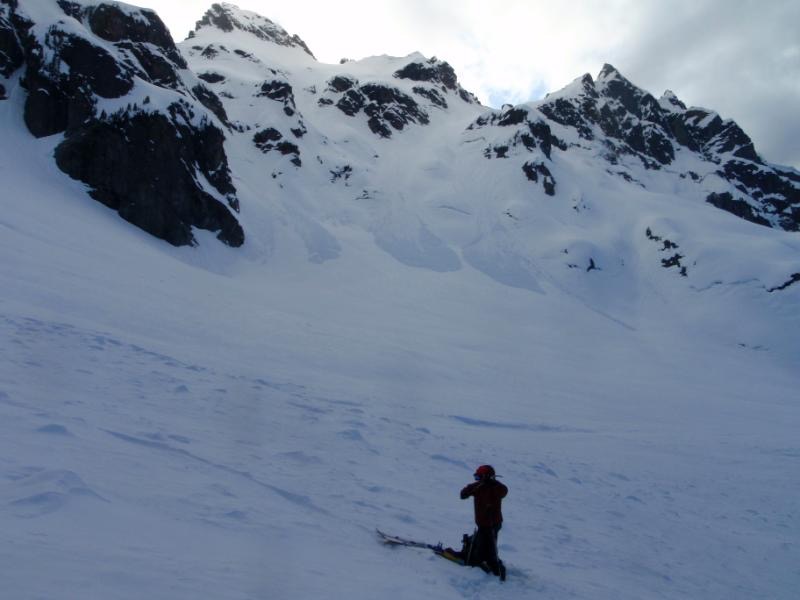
234 423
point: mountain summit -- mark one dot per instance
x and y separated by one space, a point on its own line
228 18
243 105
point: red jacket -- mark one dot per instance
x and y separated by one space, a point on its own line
488 497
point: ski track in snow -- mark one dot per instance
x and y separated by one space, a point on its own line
128 430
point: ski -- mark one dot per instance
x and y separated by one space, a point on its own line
394 540
438 550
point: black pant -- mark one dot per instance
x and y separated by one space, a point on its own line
484 547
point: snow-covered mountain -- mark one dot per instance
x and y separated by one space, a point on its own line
100 72
598 292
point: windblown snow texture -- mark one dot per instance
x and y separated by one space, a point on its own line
598 293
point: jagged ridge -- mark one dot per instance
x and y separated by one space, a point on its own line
621 124
623 121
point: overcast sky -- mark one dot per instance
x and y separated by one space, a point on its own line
738 57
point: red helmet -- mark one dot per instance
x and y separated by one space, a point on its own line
484 471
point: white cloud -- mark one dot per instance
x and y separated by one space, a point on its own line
737 57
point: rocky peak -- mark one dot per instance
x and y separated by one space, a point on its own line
109 21
609 72
612 85
229 17
670 102
436 72
131 29
622 120
108 76
432 71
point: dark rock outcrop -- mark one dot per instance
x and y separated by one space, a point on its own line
578 111
390 105
775 193
351 102
795 278
630 119
386 107
210 100
270 139
531 132
673 260
340 84
58 100
146 161
714 136
438 73
280 91
534 170
138 168
343 172
11 53
735 206
109 22
432 71
433 96
212 77
623 120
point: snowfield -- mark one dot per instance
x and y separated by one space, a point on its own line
210 422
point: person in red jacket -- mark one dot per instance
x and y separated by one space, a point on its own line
487 494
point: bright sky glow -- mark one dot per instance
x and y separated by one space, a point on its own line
739 58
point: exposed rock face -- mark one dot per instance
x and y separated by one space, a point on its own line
271 139
629 118
386 107
390 106
708 132
438 73
11 54
153 190
66 75
209 99
532 131
623 121
433 96
637 124
100 73
227 17
736 206
534 170
211 77
531 138
280 91
147 160
432 71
